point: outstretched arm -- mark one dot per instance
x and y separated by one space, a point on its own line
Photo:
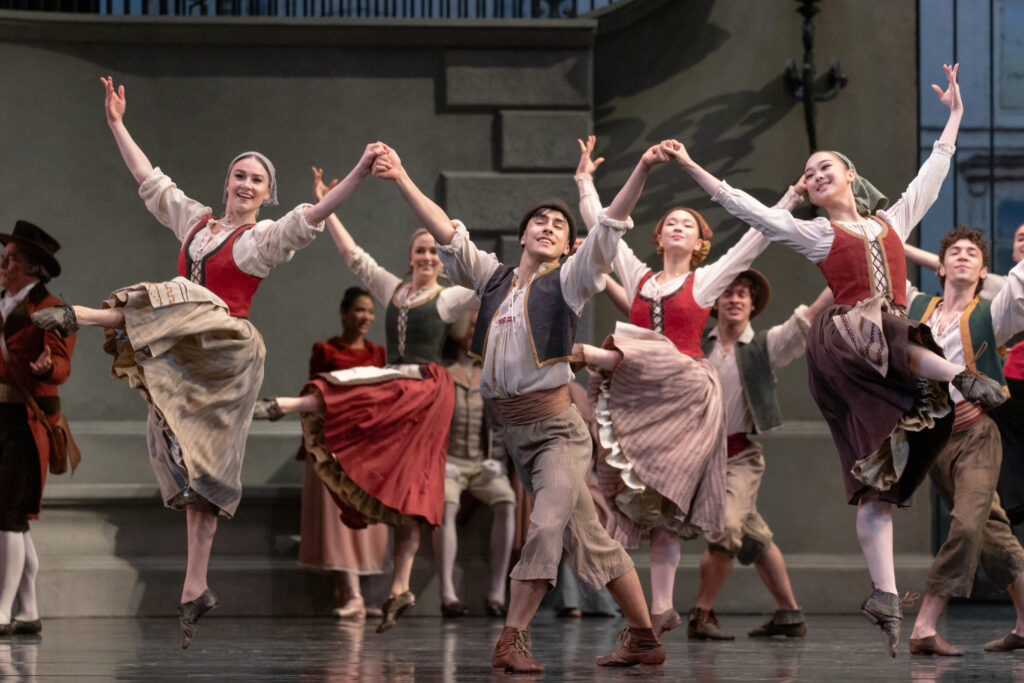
114 105
342 239
617 294
921 257
626 199
388 165
824 300
675 150
343 190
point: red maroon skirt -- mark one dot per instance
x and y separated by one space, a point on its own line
380 448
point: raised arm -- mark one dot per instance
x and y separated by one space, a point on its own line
675 150
590 202
921 257
114 105
388 165
824 300
951 98
342 239
626 199
617 294
338 193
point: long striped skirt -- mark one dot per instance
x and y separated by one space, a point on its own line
662 424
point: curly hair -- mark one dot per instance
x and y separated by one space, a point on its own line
964 232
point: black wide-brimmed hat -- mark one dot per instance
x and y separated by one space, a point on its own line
759 297
35 241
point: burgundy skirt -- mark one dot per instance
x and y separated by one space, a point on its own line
862 408
380 448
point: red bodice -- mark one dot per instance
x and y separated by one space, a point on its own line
218 272
849 272
678 316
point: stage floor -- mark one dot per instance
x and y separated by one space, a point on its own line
431 649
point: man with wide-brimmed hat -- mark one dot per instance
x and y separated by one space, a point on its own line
32 361
746 362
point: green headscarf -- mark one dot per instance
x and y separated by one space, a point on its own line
866 195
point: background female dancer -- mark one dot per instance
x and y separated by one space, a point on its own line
661 409
325 543
380 437
866 359
187 344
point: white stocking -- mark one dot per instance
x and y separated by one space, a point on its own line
28 610
12 559
874 531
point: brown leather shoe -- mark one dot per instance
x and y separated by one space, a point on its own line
639 646
665 621
703 625
512 652
1011 641
785 622
934 645
883 610
394 608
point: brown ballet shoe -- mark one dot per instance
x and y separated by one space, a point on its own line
977 387
665 621
512 652
702 624
31 628
1011 641
190 612
267 409
394 608
934 645
639 646
883 609
61 318
784 622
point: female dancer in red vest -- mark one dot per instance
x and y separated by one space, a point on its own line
187 344
379 436
661 407
878 377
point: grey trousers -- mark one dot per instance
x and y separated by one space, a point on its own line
552 456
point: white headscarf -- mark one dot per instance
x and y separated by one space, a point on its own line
271 199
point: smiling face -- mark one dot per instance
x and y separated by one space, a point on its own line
963 264
829 181
678 231
247 187
546 235
358 318
1018 244
423 260
735 304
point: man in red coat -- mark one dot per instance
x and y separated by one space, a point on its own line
38 361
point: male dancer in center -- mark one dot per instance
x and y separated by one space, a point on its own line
524 336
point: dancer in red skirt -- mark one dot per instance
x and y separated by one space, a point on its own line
380 435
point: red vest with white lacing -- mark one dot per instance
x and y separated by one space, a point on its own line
218 272
856 265
678 316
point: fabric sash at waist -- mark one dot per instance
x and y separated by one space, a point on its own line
533 407
736 443
966 414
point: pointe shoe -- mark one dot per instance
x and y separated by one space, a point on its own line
512 652
353 609
60 318
267 409
394 608
32 628
639 646
665 621
785 622
702 624
934 645
1011 641
974 386
883 609
190 612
